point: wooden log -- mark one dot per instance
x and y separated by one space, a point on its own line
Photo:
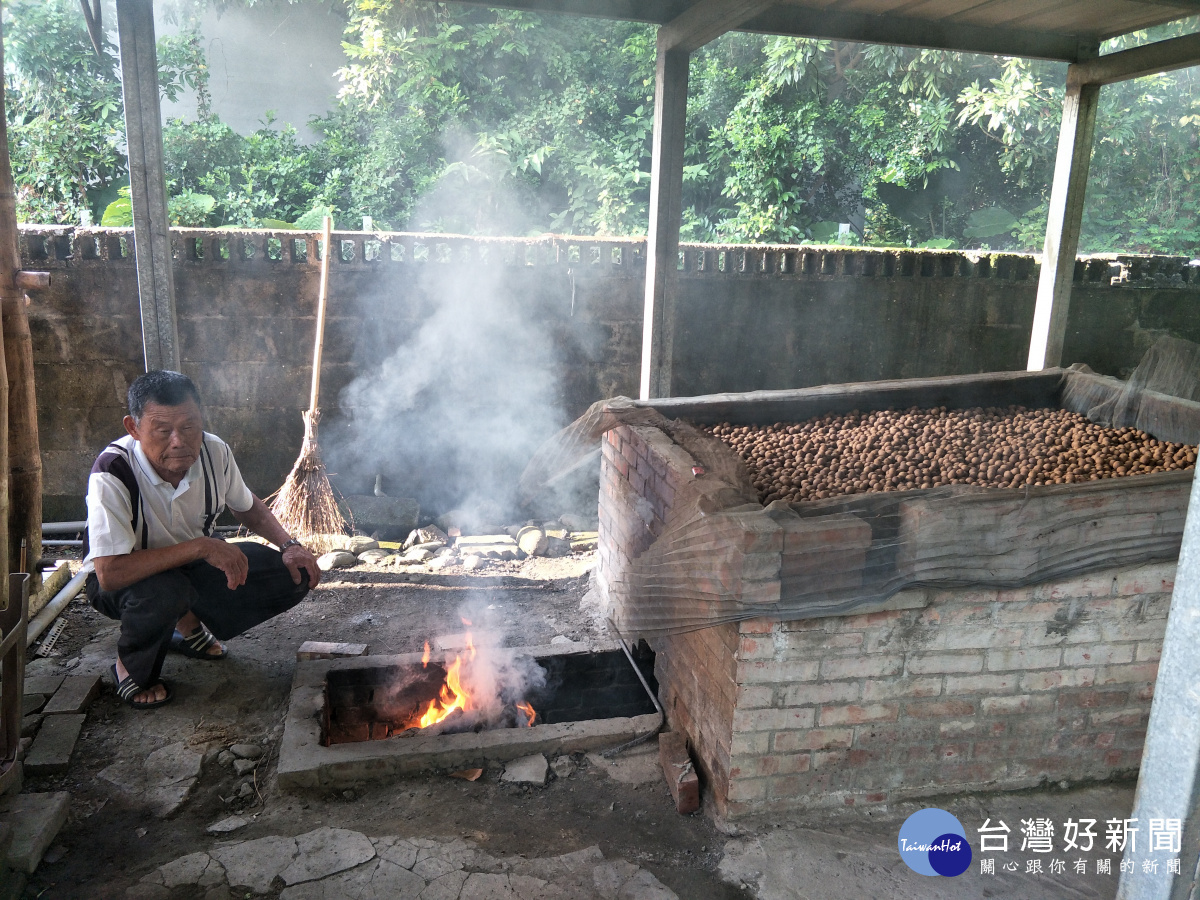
21 459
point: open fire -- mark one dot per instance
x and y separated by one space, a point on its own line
478 688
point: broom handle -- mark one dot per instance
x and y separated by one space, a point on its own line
326 255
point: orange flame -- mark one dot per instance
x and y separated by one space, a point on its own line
425 656
454 694
528 711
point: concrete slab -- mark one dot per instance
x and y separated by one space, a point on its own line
378 879
42 684
305 763
163 780
327 851
531 769
254 864
35 820
33 703
74 695
52 748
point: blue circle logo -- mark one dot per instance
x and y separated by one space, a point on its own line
933 842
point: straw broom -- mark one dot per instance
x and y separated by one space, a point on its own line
305 505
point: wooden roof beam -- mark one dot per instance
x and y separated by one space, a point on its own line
1136 62
707 21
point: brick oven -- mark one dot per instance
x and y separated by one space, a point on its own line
860 697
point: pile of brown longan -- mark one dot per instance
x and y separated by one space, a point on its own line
893 450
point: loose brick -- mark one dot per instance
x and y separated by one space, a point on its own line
1104 654
55 741
858 715
330 650
74 695
1003 660
939 709
939 663
679 772
861 667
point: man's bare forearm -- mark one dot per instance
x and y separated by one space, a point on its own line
259 519
116 572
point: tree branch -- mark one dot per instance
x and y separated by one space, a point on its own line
93 15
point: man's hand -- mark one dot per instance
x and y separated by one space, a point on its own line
299 558
228 558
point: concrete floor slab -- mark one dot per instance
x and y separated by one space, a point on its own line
35 820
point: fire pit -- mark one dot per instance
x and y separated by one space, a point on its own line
360 719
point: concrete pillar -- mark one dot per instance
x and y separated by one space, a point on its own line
151 226
1169 782
666 209
1062 226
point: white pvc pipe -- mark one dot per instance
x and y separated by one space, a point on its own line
54 607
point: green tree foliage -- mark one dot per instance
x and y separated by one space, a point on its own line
465 119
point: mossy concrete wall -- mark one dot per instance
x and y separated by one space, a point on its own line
746 318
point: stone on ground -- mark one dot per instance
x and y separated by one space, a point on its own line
226 825
526 770
471 562
246 751
532 541
418 554
35 820
360 544
563 767
244 766
336 559
52 748
637 766
374 557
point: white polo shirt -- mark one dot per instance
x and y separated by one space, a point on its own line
131 508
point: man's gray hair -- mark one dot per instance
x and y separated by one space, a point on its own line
163 387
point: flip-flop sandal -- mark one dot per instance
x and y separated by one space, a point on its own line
127 689
196 644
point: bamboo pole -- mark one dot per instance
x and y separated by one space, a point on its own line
10 295
21 459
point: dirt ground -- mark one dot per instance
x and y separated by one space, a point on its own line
112 839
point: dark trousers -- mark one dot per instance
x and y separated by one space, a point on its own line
149 609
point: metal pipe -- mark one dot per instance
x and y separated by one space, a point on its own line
62 527
54 607
67 543
662 715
